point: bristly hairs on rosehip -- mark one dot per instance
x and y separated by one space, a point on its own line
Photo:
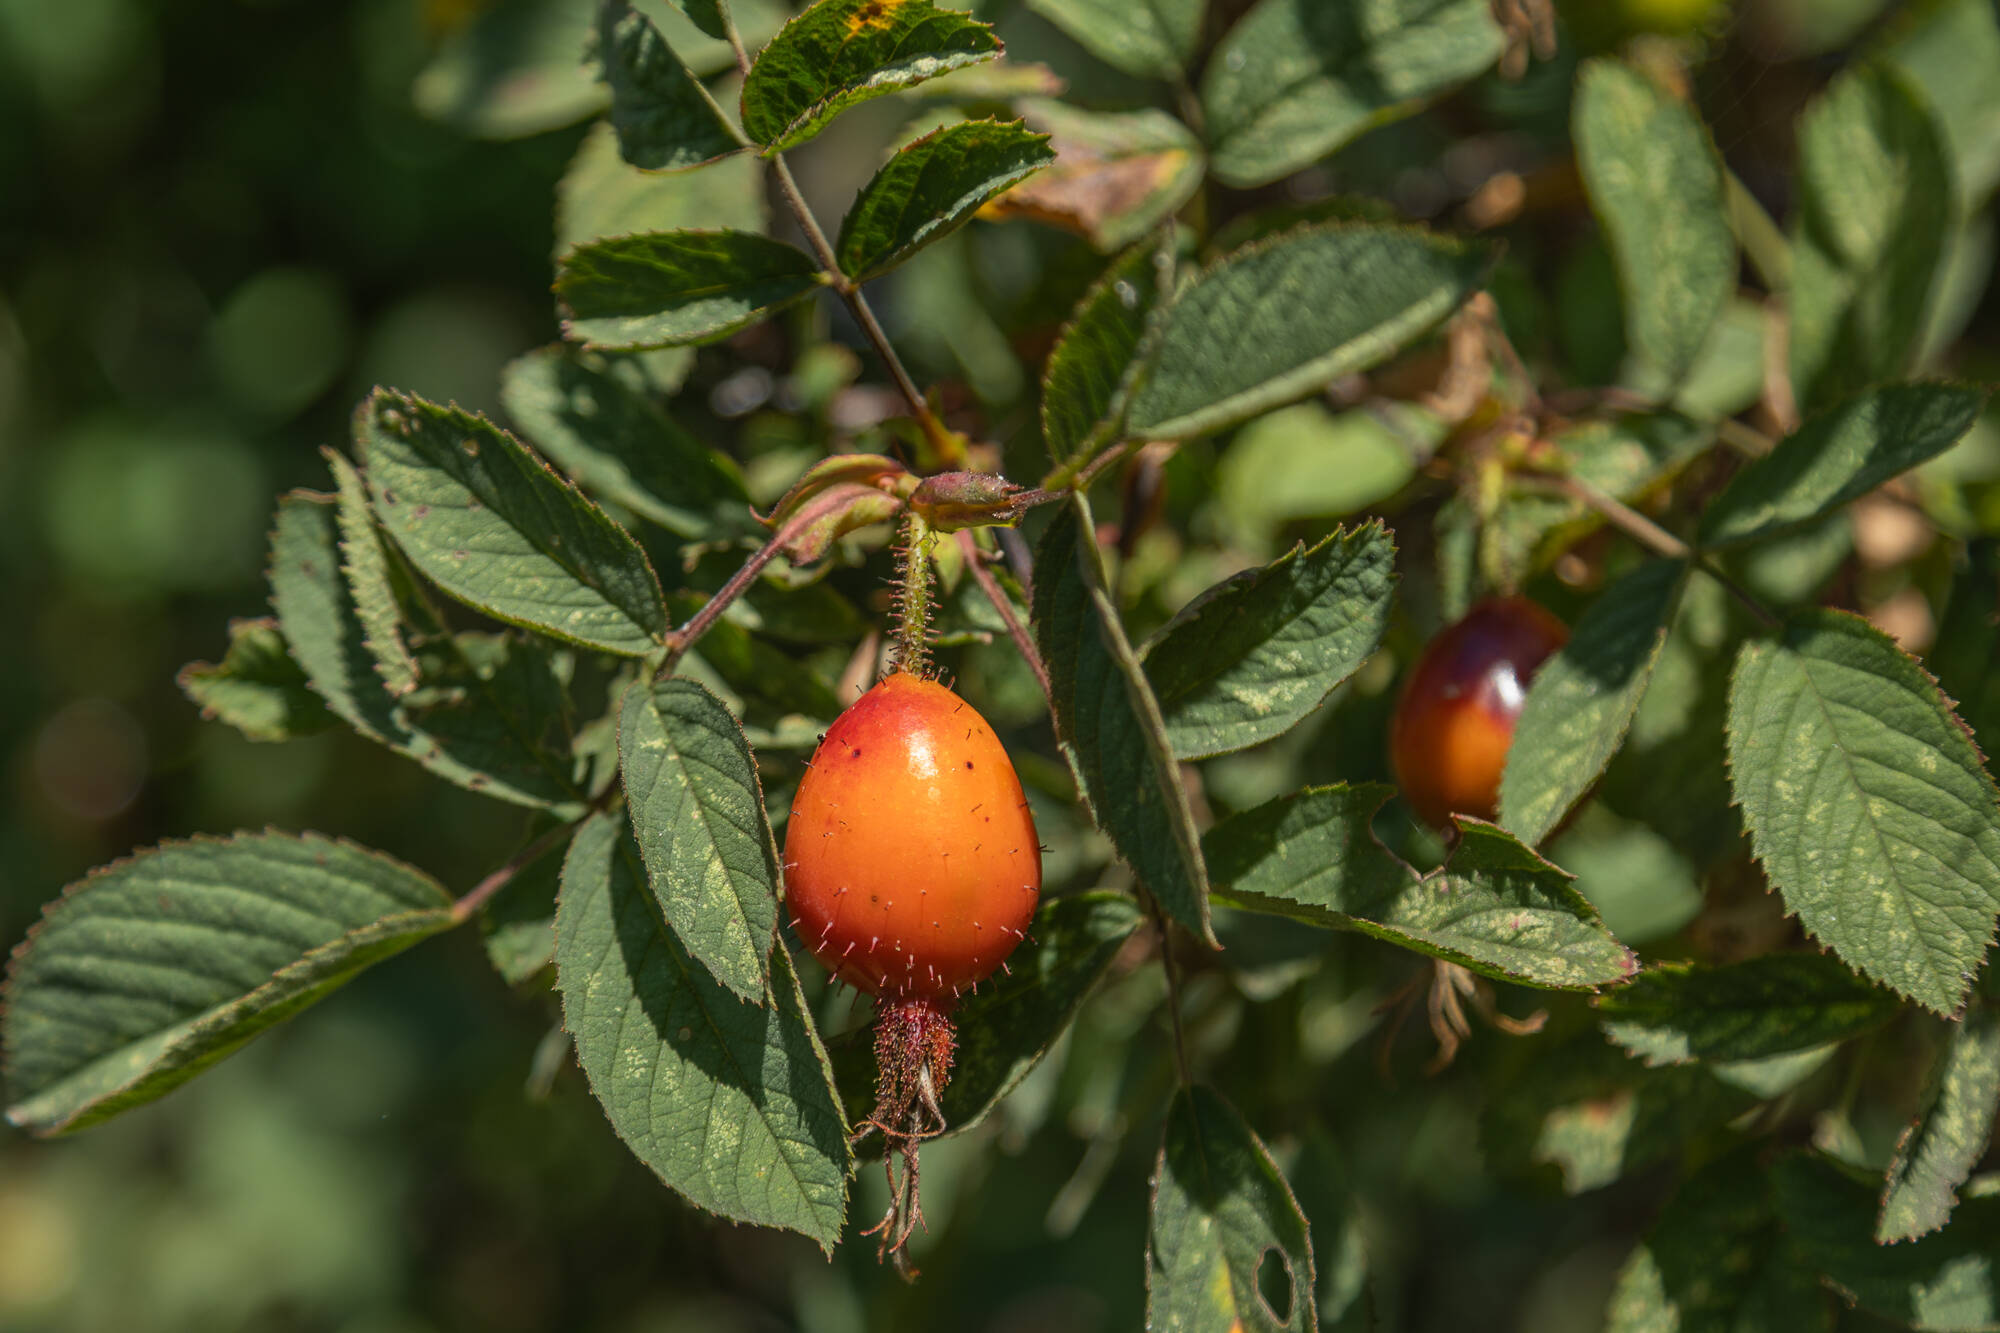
910 598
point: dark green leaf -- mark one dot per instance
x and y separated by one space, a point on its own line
1143 37
1867 804
365 565
932 186
1278 319
698 810
1100 355
1582 700
1840 455
674 288
519 922
1775 1004
731 1104
257 687
1117 175
706 15
151 969
1109 722
1008 1024
1249 658
1495 907
663 116
1876 210
1715 1262
483 732
1947 1282
602 195
593 417
1953 1127
1220 1207
490 524
1656 186
1295 79
840 52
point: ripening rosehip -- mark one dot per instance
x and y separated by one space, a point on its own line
1456 717
911 863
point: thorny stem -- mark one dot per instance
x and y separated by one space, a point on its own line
1078 474
912 652
975 561
949 447
481 893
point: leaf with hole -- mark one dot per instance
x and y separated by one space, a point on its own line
1582 700
697 808
677 288
1279 318
1251 657
153 968
932 186
1109 724
1296 79
1839 455
731 1104
840 52
1655 183
257 688
1226 1247
493 526
1867 804
1495 906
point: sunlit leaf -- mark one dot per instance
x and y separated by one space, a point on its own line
930 187
675 288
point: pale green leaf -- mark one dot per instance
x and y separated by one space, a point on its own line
1495 906
493 526
1277 319
1296 79
1143 37
1867 804
1109 722
1876 211
1655 184
698 810
1251 657
1117 174
1220 1207
1582 700
602 195
731 1104
1950 50
1950 1134
151 969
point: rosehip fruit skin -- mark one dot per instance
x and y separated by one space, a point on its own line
911 863
1455 719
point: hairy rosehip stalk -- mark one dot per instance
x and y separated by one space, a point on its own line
912 652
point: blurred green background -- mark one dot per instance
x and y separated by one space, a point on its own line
221 222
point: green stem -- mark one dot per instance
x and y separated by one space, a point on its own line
1770 253
1181 1065
1023 642
913 597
